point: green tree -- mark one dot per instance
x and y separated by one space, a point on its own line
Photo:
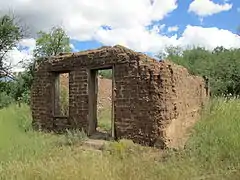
47 44
221 66
170 52
52 43
10 34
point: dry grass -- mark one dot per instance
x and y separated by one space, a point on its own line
211 153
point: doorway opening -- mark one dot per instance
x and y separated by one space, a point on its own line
101 106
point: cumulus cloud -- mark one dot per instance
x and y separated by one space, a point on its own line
138 38
28 44
205 8
82 18
135 24
150 41
209 37
22 53
74 49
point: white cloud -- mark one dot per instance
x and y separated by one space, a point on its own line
74 49
82 18
139 38
205 8
149 41
158 28
129 23
173 28
24 53
30 43
209 37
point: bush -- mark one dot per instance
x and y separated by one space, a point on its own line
73 137
5 100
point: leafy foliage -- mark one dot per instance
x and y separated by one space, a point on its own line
221 66
10 34
48 44
5 100
52 43
106 73
16 90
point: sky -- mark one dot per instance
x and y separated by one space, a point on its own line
146 26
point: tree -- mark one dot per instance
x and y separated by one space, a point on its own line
52 43
10 34
221 66
169 52
47 44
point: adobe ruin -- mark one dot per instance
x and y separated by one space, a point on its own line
153 102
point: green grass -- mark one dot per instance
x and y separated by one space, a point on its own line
104 119
14 142
212 152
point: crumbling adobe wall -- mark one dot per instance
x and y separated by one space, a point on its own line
188 95
154 102
157 102
178 98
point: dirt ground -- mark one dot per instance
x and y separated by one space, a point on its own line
104 93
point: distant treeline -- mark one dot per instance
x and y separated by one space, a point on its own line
221 66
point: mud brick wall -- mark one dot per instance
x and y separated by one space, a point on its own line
41 99
154 102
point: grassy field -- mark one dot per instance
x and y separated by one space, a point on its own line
213 151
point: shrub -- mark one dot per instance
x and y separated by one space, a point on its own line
5 100
73 137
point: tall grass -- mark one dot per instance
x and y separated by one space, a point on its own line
17 140
212 152
64 101
104 119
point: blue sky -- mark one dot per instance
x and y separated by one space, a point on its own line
181 17
147 26
224 20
